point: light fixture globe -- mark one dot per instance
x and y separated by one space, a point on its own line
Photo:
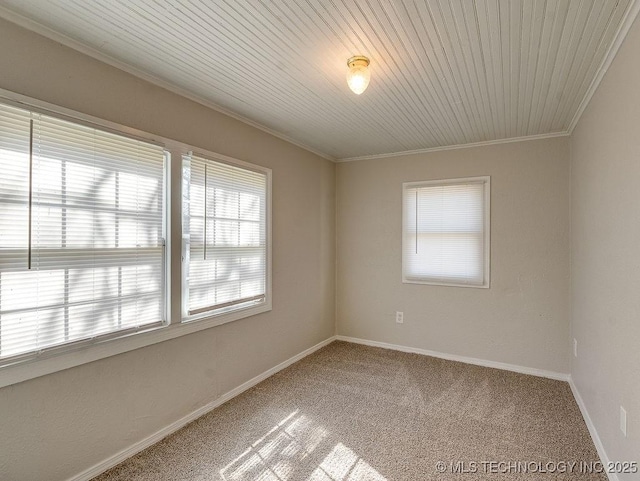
358 76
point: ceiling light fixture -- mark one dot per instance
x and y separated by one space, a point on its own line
359 75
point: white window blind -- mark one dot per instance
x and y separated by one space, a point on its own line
81 232
446 232
225 228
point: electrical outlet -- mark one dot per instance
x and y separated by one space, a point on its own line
575 347
623 421
399 317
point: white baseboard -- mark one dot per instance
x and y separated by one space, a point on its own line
468 360
592 429
171 428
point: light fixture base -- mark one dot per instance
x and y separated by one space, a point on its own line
358 61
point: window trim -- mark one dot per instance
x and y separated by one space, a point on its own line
486 181
80 352
212 318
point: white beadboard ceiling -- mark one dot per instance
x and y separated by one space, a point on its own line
443 72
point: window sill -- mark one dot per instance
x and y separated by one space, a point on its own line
216 319
446 284
51 362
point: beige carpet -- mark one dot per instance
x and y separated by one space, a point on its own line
351 412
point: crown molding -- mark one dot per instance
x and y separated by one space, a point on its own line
629 17
456 147
67 41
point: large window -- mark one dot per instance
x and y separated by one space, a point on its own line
86 236
445 238
81 233
225 232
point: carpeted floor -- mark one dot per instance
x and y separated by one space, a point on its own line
351 412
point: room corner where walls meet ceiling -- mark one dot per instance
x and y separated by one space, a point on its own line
443 74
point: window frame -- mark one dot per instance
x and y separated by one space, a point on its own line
486 182
81 352
212 318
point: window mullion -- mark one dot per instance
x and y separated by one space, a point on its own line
63 242
117 242
30 210
173 244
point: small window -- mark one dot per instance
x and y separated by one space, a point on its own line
445 238
81 234
226 242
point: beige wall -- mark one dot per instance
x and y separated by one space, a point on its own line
605 164
55 426
523 318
